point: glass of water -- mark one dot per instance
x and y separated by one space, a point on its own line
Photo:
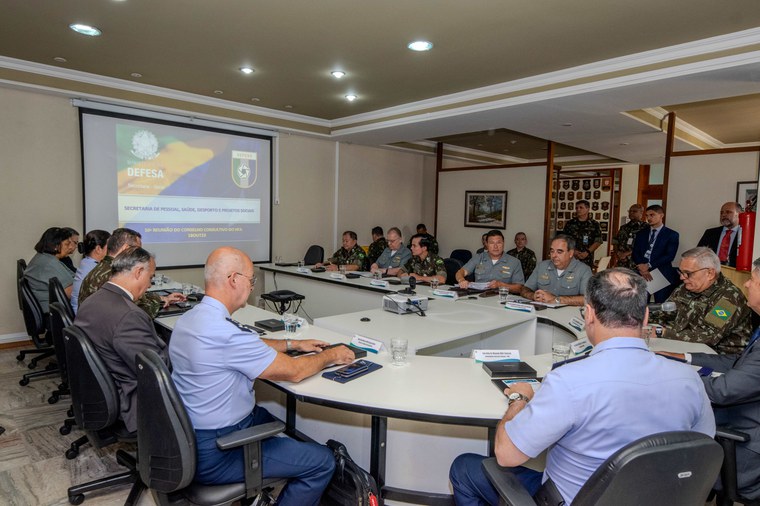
378 274
503 294
187 289
291 323
560 351
434 283
399 349
342 269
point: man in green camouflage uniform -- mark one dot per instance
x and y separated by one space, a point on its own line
424 265
626 236
351 255
586 232
377 247
710 309
525 255
120 240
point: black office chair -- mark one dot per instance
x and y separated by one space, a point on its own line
96 410
36 327
59 319
20 268
314 255
56 293
166 443
728 474
463 255
666 469
452 266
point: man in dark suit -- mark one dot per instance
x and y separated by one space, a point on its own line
118 328
655 248
735 396
724 240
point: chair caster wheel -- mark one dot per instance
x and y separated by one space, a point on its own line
52 399
72 453
19 357
32 365
64 430
50 367
76 499
70 413
23 382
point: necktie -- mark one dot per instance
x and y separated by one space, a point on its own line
652 236
752 340
724 245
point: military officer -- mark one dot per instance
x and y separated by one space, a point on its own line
710 309
493 266
560 280
378 245
525 255
351 255
586 232
424 265
395 256
626 236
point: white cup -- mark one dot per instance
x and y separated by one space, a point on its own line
560 351
399 349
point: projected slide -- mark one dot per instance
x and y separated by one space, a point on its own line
185 190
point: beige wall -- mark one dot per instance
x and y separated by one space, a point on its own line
42 187
698 186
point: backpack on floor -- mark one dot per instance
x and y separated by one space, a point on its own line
350 485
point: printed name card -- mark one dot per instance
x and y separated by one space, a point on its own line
516 306
337 275
451 294
303 270
496 355
580 346
379 282
365 343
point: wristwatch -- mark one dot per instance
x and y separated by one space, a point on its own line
516 396
556 299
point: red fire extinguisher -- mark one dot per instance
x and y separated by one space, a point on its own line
744 255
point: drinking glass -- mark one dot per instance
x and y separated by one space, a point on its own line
434 283
398 351
503 294
560 351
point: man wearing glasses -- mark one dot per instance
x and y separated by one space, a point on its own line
216 361
395 256
710 309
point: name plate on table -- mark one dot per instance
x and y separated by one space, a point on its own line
304 270
580 346
379 282
577 324
337 275
496 355
366 343
450 294
517 306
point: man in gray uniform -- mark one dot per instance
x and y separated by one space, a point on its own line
395 256
560 280
493 266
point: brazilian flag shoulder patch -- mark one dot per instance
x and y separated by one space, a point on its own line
720 313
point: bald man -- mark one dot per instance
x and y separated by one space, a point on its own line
216 361
724 240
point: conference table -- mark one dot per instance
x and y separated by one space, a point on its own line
406 424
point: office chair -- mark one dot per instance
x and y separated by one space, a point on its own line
314 255
728 473
20 269
166 443
56 293
665 469
36 328
452 266
58 319
463 255
96 410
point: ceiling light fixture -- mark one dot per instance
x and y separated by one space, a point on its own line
218 92
351 98
246 70
288 107
337 74
567 124
420 45
255 99
136 75
88 30
60 59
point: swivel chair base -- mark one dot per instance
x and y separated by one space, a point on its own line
76 493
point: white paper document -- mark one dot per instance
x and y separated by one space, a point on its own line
658 281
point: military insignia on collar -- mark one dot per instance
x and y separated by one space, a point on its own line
241 326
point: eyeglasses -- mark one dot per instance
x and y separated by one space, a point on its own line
688 274
251 280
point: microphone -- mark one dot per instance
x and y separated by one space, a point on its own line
412 286
665 307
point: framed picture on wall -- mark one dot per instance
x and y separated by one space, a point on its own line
485 209
746 195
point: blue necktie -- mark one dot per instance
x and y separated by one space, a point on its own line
652 236
752 340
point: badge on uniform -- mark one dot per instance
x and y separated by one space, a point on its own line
544 276
720 313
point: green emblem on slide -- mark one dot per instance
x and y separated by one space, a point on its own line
245 168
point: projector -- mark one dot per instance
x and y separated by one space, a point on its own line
402 304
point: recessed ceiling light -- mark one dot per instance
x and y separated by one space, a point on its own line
136 75
337 74
420 45
246 70
625 143
567 124
219 92
85 29
288 107
351 98
60 59
255 99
